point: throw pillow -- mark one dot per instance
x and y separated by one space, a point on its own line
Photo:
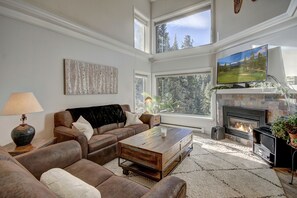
65 185
132 118
83 126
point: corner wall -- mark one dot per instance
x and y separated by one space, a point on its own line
32 60
251 13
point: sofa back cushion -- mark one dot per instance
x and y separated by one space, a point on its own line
99 115
58 155
16 181
64 118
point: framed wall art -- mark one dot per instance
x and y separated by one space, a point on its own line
82 78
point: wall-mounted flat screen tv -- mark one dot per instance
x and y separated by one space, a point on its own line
243 67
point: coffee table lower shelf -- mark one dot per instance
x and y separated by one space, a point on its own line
149 172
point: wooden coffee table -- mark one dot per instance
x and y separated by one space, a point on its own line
153 156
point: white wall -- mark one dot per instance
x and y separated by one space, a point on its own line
251 13
32 60
112 18
180 64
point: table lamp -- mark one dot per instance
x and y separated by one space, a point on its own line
22 103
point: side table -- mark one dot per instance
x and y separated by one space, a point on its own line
157 120
37 143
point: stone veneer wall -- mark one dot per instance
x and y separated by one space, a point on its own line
274 103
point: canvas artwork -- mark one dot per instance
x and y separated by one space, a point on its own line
82 78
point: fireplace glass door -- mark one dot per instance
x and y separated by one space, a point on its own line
243 125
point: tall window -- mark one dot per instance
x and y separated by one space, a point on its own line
184 93
186 31
141 31
140 83
139 35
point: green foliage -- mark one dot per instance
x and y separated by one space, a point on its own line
163 40
174 45
184 94
162 35
285 125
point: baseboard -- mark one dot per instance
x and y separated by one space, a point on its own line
198 129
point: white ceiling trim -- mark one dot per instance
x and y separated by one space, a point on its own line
30 14
33 15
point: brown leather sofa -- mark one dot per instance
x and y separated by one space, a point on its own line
19 176
102 147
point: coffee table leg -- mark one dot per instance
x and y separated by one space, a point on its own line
125 172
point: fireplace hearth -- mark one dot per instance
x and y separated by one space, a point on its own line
240 121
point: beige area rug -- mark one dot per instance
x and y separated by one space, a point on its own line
219 169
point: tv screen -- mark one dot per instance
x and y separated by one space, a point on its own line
243 67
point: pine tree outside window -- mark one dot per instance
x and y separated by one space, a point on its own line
187 94
182 32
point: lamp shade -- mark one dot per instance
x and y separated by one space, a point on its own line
21 103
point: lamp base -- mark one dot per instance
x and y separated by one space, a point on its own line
22 134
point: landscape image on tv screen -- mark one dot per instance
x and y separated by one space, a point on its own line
247 66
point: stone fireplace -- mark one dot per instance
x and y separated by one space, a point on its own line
240 121
272 103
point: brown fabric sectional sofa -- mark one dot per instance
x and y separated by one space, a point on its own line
19 177
102 147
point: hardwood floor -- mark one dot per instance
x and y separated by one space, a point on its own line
284 176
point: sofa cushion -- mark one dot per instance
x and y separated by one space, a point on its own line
84 127
121 124
89 172
107 127
64 184
121 133
138 128
118 187
132 119
100 141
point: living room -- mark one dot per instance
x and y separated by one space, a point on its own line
36 37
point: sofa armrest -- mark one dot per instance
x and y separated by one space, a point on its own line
54 156
170 186
64 134
147 119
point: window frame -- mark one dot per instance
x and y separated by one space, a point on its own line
148 84
200 7
171 73
145 21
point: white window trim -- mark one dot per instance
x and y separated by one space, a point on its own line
178 13
146 22
200 70
148 85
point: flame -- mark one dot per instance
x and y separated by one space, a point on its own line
243 127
